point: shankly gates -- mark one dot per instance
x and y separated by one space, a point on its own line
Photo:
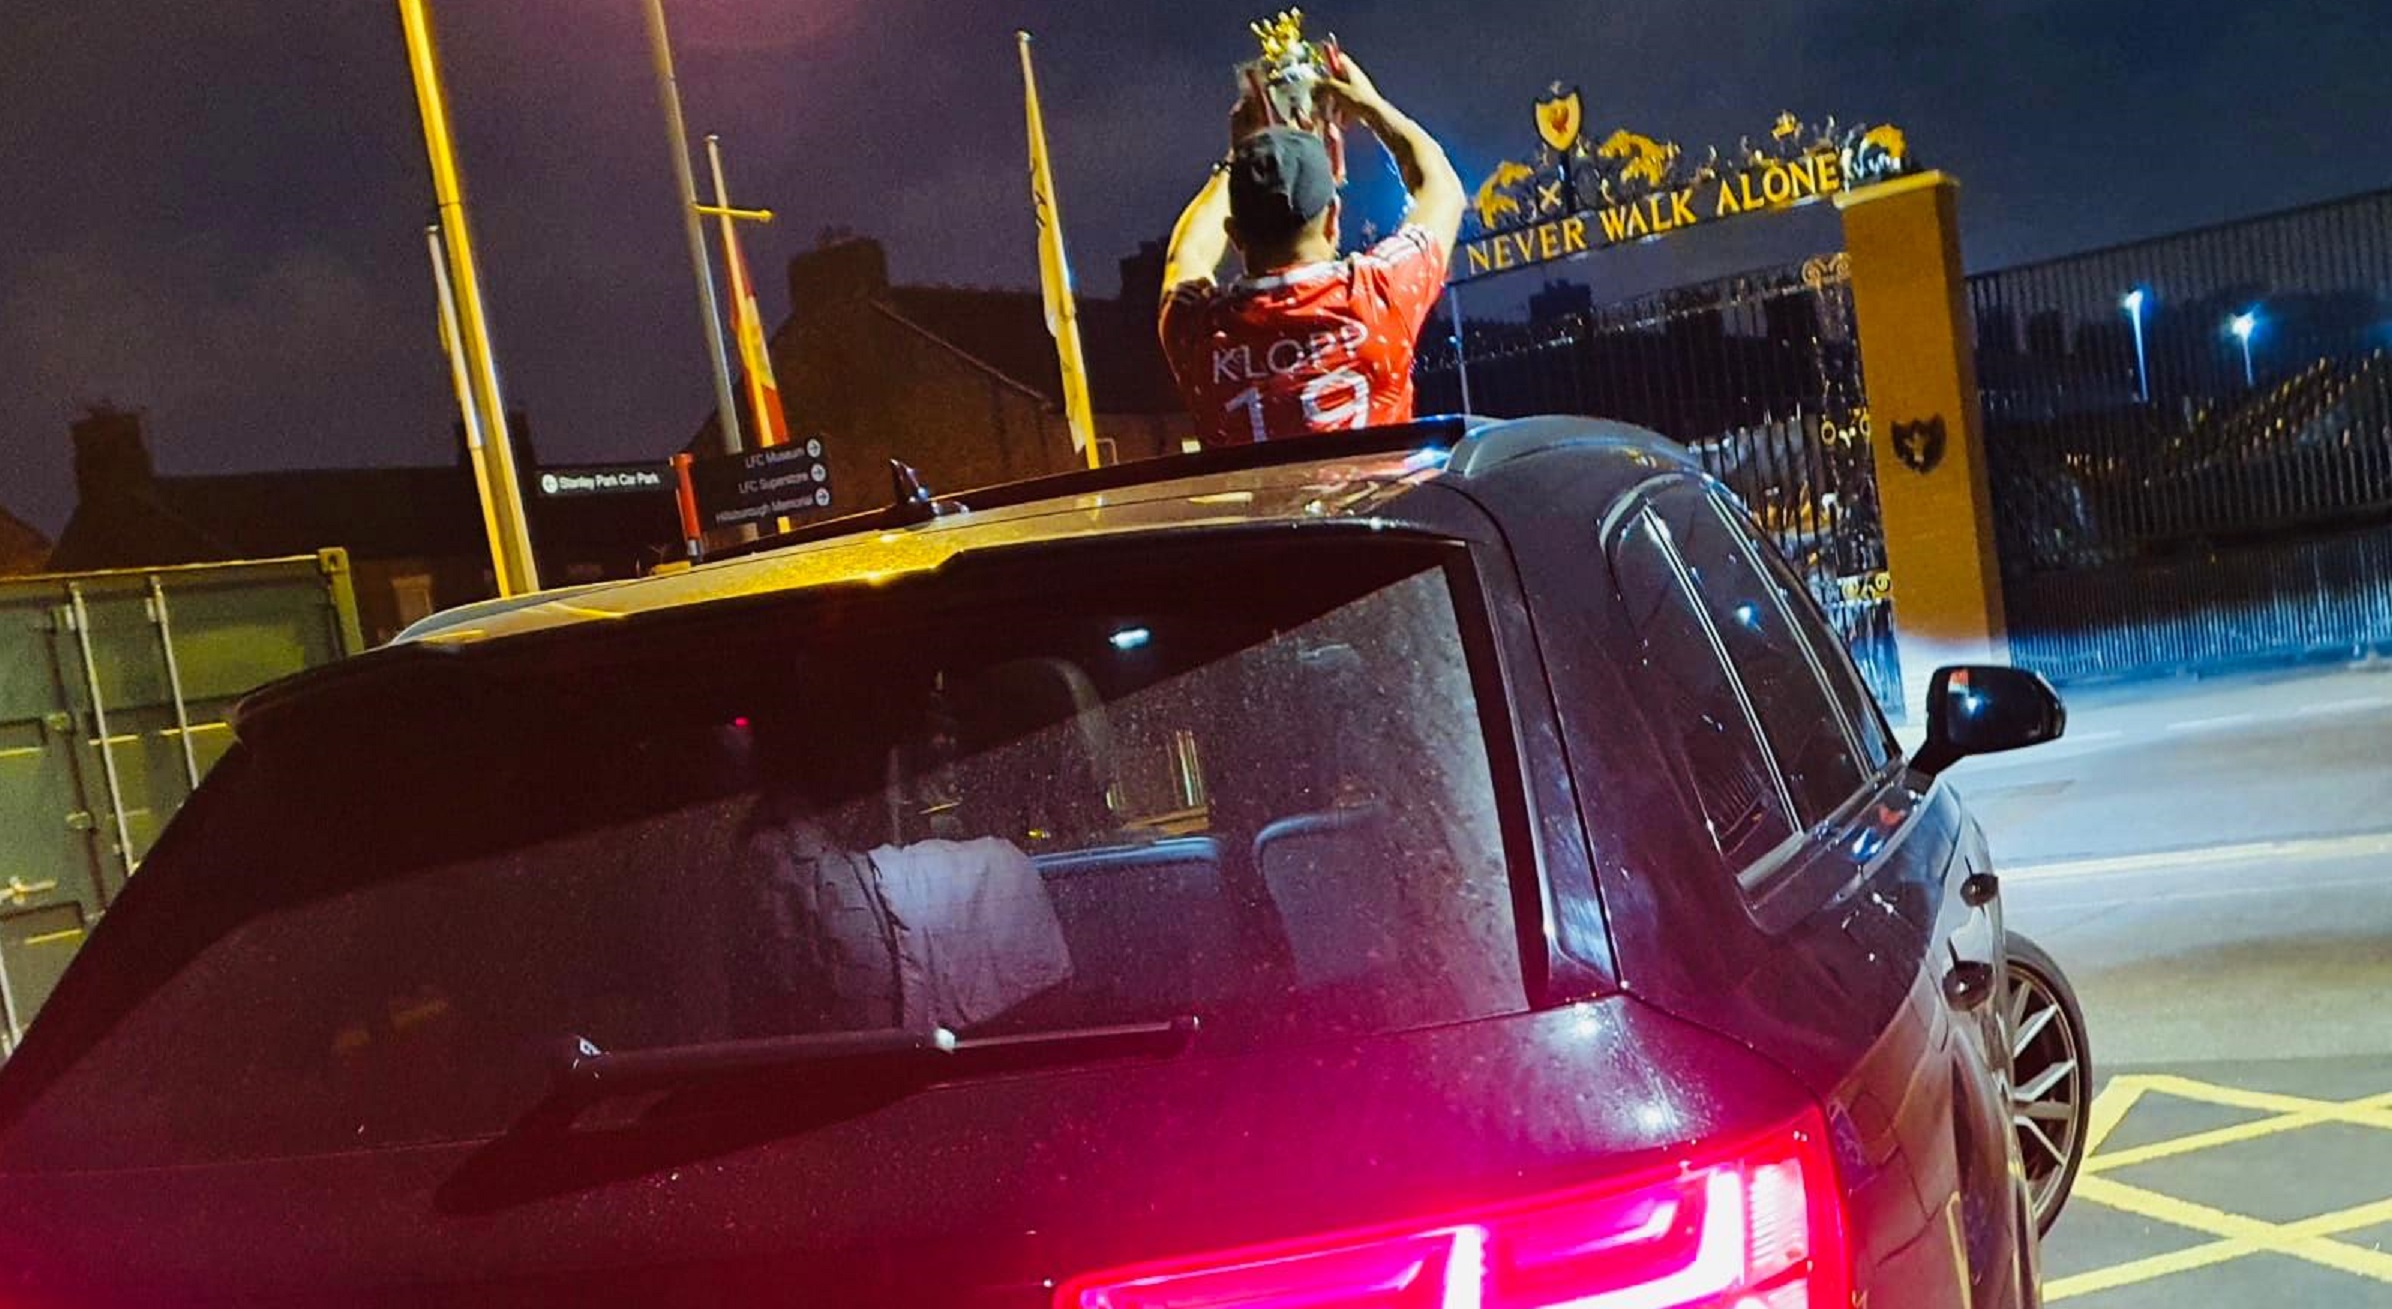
1575 195
2189 439
1760 376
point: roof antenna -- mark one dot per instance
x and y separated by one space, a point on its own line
915 503
910 490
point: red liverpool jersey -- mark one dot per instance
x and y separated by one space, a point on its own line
1321 348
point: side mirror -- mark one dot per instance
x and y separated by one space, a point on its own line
1985 709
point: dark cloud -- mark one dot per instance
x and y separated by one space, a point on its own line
216 208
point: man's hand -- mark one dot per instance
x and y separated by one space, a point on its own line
1347 86
1428 175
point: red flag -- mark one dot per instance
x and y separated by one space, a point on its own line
747 323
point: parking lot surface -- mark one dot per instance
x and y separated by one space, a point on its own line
2233 1184
2212 866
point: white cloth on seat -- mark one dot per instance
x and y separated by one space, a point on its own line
977 934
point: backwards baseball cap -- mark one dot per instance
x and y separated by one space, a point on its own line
1279 179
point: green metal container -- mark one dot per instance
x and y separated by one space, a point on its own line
113 692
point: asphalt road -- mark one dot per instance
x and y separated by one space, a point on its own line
2212 866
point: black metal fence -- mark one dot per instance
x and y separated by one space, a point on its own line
1759 375
2191 445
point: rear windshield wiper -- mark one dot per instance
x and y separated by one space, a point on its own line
773 1086
983 1056
589 1074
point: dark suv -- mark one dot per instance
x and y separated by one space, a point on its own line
1447 866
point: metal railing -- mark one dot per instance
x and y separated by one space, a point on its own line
1759 376
1689 363
2190 441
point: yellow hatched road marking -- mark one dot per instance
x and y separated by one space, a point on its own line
2281 1238
2356 1111
2143 1270
2250 1131
2238 1234
2109 1110
2214 1252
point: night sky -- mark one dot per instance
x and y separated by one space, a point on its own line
214 208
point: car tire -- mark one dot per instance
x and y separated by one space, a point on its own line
2051 1075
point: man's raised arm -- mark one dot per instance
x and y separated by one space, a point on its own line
1435 188
1200 239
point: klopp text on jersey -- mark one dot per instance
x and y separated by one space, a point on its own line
1320 348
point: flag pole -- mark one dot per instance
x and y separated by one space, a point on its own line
512 564
760 401
461 377
668 89
722 205
722 210
1054 273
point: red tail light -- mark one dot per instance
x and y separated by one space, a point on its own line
1759 1225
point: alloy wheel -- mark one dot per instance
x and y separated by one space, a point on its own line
2048 1098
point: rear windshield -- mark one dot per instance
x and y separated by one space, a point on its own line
1246 783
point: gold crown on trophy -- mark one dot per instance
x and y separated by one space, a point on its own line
1282 37
1289 73
1290 66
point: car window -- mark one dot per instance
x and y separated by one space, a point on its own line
1735 781
1802 725
1862 717
1244 782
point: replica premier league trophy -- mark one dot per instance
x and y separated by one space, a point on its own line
1288 74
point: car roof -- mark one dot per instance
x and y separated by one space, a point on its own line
1350 476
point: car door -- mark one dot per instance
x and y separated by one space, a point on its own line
1969 923
1870 970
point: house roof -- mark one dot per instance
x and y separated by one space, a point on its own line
373 512
1006 331
22 549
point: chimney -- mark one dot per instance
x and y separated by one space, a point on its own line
852 268
111 459
1142 282
519 434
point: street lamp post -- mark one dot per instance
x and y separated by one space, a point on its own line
2243 325
668 89
1461 352
2133 304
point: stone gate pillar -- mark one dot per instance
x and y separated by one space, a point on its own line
1917 358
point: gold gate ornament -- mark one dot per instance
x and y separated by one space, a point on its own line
1561 117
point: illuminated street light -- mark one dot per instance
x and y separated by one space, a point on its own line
2133 304
2242 325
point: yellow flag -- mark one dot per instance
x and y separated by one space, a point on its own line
1054 275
